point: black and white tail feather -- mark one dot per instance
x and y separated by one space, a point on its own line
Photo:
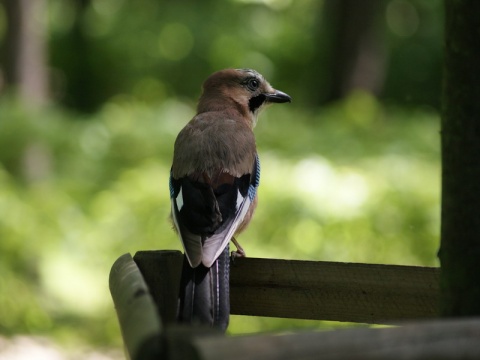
206 218
204 293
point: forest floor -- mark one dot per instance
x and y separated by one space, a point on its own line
25 347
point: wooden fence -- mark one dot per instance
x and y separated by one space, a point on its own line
145 288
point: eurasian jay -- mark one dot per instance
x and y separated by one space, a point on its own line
213 187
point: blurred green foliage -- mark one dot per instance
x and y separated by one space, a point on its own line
153 50
357 181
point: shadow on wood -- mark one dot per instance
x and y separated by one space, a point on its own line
161 271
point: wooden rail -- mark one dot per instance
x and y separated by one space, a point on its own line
447 339
301 289
366 293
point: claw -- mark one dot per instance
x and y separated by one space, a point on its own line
239 252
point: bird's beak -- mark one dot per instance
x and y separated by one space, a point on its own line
278 97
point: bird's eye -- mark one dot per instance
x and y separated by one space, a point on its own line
253 84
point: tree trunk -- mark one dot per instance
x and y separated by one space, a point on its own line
25 67
358 52
460 244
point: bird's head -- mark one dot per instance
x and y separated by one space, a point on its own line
244 89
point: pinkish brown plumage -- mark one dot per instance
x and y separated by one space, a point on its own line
215 163
213 187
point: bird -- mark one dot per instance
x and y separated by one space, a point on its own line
213 184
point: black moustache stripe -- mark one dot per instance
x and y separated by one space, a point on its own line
256 101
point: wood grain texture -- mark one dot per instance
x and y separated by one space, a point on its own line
439 339
367 293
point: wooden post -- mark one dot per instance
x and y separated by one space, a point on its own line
137 314
161 271
460 245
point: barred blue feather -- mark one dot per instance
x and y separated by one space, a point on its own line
252 189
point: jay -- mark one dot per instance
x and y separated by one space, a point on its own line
213 187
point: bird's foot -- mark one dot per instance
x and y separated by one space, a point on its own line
239 253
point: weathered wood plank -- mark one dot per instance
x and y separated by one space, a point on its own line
367 293
138 317
447 339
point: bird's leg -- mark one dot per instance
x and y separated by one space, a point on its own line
240 252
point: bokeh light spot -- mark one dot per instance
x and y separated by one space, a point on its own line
175 41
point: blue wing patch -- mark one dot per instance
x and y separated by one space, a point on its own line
252 189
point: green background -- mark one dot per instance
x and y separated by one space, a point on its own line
85 179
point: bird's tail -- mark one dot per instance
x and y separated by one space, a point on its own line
204 293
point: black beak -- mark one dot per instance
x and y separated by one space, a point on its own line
278 97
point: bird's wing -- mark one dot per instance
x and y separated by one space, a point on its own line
207 215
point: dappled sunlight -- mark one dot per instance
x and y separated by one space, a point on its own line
95 140
275 4
337 192
72 282
380 208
